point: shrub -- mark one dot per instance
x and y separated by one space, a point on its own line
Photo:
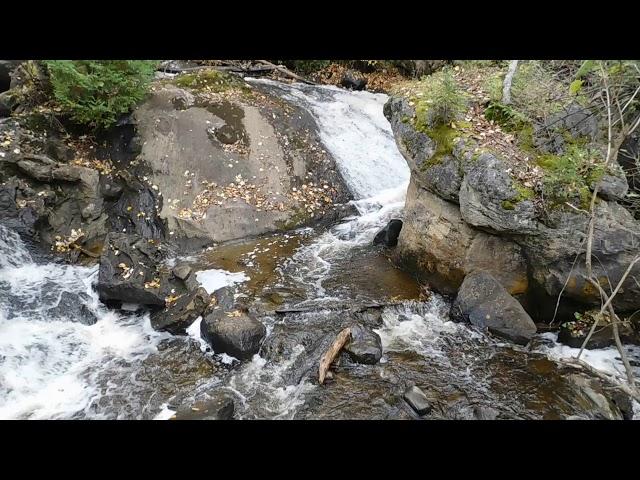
94 92
440 101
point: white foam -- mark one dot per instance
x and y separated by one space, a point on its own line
48 362
606 360
165 413
215 279
228 359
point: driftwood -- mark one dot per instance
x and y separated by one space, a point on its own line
231 66
610 379
330 355
222 68
287 72
85 251
354 309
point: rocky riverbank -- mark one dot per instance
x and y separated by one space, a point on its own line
206 158
479 214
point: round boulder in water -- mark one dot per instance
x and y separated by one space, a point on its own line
234 333
365 345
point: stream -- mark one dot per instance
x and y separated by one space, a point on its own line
64 355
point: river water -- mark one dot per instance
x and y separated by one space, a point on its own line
65 355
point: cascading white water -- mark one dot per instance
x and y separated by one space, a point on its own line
354 130
48 361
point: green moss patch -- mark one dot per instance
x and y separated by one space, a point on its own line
568 177
210 81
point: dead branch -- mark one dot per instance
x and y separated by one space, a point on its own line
287 72
359 308
330 355
613 147
608 378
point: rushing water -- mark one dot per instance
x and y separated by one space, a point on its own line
64 355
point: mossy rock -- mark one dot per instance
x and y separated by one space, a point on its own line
210 81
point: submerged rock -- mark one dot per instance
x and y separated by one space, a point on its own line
73 307
219 407
236 334
485 303
388 236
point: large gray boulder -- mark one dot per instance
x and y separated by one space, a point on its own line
230 166
486 304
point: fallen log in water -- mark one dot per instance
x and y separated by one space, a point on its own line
355 309
330 355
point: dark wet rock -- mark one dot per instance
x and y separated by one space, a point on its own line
239 335
489 199
72 306
8 208
485 303
388 236
417 400
6 69
370 318
353 81
182 271
8 101
131 271
109 188
281 344
136 209
365 345
225 298
219 407
181 314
